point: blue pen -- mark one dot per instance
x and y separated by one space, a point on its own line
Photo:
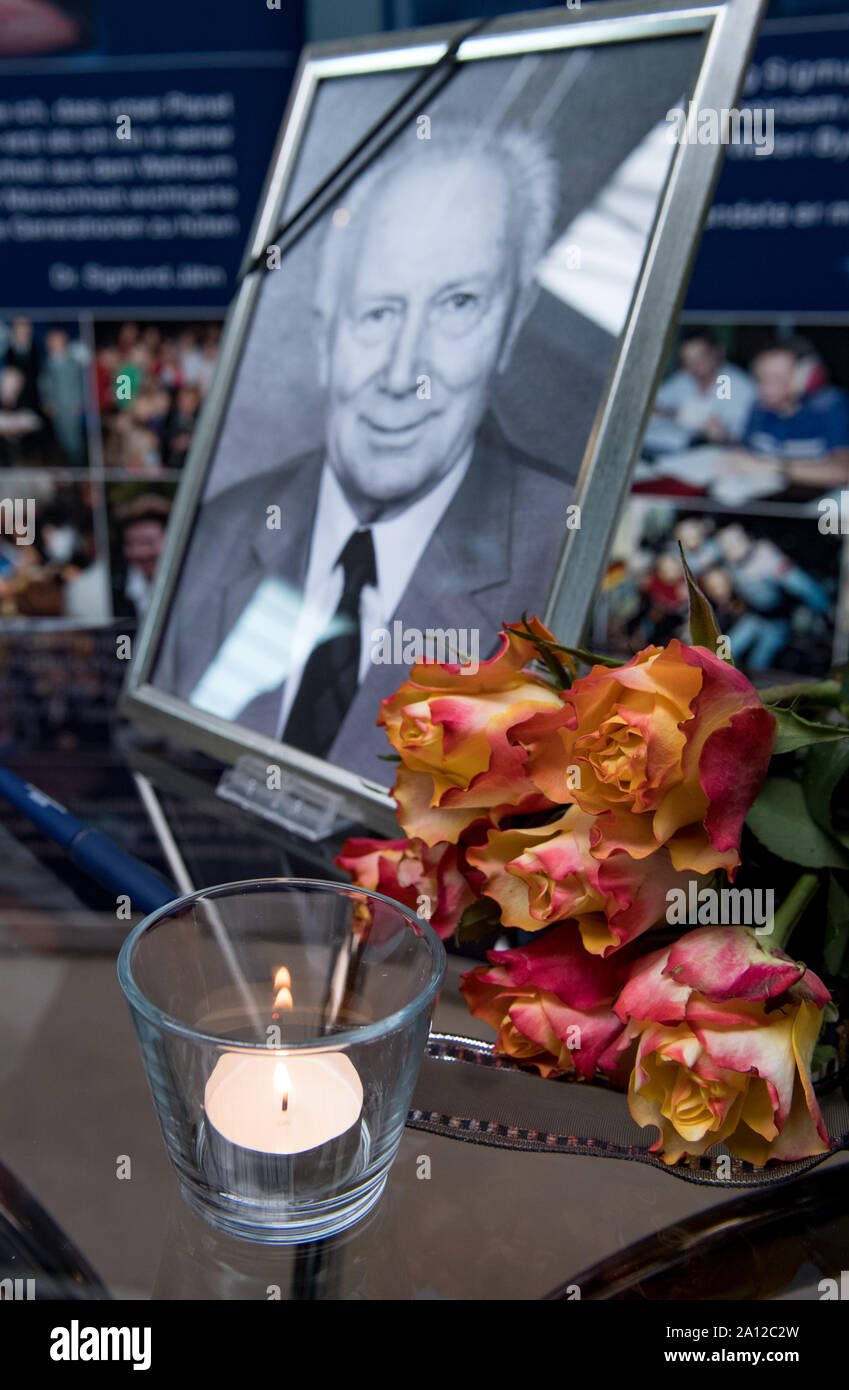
90 849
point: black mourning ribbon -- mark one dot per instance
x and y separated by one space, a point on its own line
331 675
406 108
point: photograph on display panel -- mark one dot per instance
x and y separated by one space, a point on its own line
393 473
745 463
773 582
50 565
137 515
42 394
748 413
150 380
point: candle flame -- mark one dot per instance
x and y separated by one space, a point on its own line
282 1085
282 977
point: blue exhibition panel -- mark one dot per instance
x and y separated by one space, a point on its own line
134 141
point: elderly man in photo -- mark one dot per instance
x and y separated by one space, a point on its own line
417 508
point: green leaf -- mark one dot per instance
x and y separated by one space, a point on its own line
825 769
795 732
780 819
835 952
704 631
823 1054
480 921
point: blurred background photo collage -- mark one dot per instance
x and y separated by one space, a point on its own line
96 420
748 437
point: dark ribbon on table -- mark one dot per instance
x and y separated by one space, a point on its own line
573 1117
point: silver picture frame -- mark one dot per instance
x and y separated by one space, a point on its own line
727 31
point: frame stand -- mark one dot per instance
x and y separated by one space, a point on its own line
298 805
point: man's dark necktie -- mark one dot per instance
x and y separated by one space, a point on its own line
330 677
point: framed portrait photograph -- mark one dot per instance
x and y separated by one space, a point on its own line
434 379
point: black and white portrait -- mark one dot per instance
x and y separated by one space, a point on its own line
393 473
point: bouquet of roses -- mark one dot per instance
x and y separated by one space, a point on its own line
602 820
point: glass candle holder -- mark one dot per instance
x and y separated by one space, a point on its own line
282 1024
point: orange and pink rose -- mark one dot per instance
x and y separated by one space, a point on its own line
550 1004
548 873
457 735
411 871
725 1030
669 749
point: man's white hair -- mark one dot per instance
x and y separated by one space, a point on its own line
531 173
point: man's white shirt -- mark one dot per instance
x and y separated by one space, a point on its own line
399 544
694 407
138 590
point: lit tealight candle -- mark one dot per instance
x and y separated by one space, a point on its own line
275 1126
245 1095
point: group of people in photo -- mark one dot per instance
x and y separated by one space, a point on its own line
146 389
51 567
778 429
774 596
150 383
57 569
92 549
42 395
749 432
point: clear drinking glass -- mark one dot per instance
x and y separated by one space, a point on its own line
282 1024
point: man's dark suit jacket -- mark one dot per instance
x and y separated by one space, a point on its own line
490 558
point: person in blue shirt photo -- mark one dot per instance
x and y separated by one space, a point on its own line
799 424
